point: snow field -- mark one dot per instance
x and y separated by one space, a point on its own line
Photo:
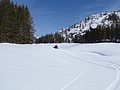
36 67
71 67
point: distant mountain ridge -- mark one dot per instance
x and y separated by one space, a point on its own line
103 27
92 21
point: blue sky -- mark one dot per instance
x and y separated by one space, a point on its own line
51 15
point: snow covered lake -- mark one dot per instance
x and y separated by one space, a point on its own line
71 67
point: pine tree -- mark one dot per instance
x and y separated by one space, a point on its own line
58 38
16 25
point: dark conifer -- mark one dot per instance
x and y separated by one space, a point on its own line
16 25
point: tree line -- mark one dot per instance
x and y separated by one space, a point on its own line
16 25
50 38
103 33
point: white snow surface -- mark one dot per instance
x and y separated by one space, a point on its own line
89 22
71 67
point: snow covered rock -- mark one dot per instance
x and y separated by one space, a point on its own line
90 22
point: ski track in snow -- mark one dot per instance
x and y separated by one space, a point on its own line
109 64
112 86
115 83
75 78
79 74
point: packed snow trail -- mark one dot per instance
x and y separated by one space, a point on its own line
112 86
115 83
50 69
79 74
75 78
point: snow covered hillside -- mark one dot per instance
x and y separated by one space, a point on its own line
90 22
71 67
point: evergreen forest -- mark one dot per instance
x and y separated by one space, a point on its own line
16 25
103 33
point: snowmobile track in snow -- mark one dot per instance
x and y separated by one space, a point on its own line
79 74
112 86
115 83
